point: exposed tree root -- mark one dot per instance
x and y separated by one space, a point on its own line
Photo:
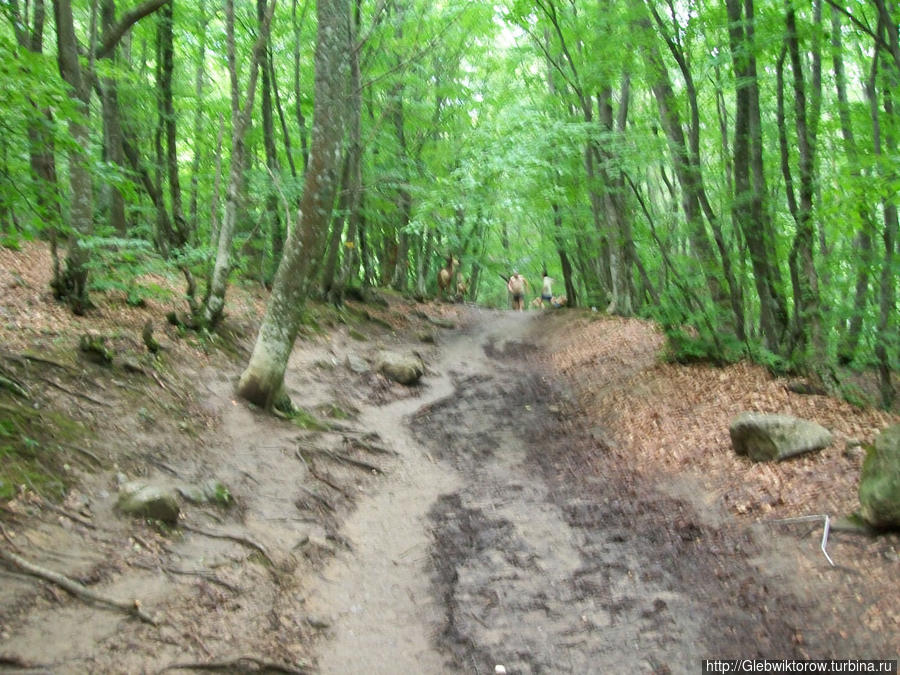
85 452
318 499
75 588
203 574
206 576
16 386
34 358
321 478
68 514
362 443
21 665
341 457
78 394
241 664
232 537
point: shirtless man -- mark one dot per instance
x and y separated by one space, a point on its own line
516 286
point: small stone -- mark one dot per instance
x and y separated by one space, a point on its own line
356 364
318 622
406 369
500 669
149 501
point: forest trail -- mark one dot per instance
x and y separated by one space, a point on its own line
494 542
535 505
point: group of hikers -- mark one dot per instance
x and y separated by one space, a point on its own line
516 285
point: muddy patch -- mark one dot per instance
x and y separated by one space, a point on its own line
554 557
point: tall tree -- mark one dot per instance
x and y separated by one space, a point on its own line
214 302
263 380
750 210
71 284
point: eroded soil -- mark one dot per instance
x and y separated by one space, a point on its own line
497 514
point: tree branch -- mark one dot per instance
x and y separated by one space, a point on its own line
130 18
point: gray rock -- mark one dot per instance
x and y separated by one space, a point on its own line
356 364
149 501
403 368
765 437
879 481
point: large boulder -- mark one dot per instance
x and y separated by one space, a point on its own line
147 500
765 437
403 368
879 481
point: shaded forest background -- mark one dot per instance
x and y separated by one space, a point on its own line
729 169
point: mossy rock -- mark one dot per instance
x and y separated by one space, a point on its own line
879 481
406 369
95 350
149 501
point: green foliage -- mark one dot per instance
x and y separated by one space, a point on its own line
306 420
120 264
687 345
30 454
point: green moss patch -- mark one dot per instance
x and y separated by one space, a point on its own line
31 449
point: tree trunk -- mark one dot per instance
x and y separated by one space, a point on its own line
886 336
686 169
749 211
273 216
178 237
339 221
564 262
863 242
41 151
72 284
199 79
262 381
354 154
214 303
301 120
112 129
809 336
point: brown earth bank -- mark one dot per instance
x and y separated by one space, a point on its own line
552 498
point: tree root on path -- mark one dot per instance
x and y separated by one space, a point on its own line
363 444
341 457
21 665
77 394
75 588
241 664
321 478
318 499
202 574
64 512
233 537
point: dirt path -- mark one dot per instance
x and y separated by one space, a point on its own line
506 536
504 531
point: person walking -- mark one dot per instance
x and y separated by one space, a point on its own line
516 287
547 290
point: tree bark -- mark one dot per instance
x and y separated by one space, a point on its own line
749 211
809 339
214 303
72 284
886 334
262 381
273 216
199 80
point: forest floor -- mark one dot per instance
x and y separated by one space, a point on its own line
553 497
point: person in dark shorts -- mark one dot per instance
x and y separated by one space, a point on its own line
547 290
516 287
